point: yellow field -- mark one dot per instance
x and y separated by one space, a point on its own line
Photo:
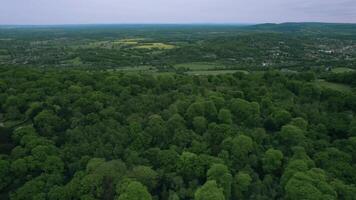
130 41
157 45
137 43
126 42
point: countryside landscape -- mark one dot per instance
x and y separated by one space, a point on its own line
178 111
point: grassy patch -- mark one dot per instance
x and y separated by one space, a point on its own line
214 72
76 61
136 69
132 41
339 70
141 70
200 66
156 45
333 86
137 43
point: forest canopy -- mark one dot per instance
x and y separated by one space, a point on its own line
75 134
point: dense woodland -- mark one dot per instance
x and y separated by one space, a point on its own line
100 135
88 133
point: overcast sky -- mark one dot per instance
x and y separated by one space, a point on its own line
175 11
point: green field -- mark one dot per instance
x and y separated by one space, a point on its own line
126 42
75 61
111 44
156 45
200 66
135 43
214 72
333 86
131 41
342 70
136 69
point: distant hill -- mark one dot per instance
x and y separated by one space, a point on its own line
306 27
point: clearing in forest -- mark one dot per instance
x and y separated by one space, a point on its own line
334 86
155 45
339 70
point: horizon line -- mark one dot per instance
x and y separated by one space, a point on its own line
176 23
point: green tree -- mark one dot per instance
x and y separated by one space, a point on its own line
135 191
272 160
167 160
343 190
247 113
47 123
190 166
210 111
241 184
300 122
33 189
175 122
58 193
309 185
209 191
200 124
156 128
53 164
220 173
93 164
22 131
19 167
239 148
5 177
194 110
145 175
225 116
291 136
337 163
277 119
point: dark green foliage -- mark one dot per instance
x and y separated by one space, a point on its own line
134 191
290 136
220 173
246 113
277 119
145 175
272 160
190 166
309 185
239 149
209 191
200 124
75 134
4 173
241 185
225 116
